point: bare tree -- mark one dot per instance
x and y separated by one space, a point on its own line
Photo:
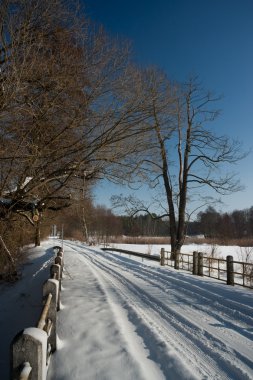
70 104
184 155
67 105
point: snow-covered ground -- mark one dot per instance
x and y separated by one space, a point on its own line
129 318
239 253
21 302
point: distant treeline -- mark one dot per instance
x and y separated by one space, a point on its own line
234 225
102 222
210 223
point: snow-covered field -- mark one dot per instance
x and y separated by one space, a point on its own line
239 253
126 318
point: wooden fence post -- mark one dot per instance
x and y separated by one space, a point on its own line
230 270
55 269
200 264
59 260
29 346
162 257
60 252
52 286
195 263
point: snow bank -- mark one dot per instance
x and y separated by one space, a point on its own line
21 302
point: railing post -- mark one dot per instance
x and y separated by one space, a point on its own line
55 269
195 263
60 252
59 260
200 264
162 257
30 345
52 286
230 270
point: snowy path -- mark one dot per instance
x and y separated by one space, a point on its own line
133 320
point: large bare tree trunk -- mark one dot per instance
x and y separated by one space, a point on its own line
168 188
183 175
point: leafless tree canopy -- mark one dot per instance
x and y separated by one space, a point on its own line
70 106
74 108
184 155
69 102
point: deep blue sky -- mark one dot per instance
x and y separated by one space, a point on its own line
210 38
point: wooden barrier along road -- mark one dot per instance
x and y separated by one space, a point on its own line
144 255
32 347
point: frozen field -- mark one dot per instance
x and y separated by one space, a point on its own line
239 253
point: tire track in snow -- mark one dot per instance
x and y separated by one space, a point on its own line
210 305
149 370
228 310
184 329
196 336
167 359
235 315
186 285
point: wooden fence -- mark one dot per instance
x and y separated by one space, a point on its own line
32 347
143 255
228 270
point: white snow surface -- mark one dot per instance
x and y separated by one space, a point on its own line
129 318
219 251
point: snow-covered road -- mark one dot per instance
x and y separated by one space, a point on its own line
128 319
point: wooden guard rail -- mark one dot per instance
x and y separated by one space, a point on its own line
25 372
31 348
198 264
43 318
221 269
143 255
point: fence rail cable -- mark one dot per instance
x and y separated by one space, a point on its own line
42 321
26 370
